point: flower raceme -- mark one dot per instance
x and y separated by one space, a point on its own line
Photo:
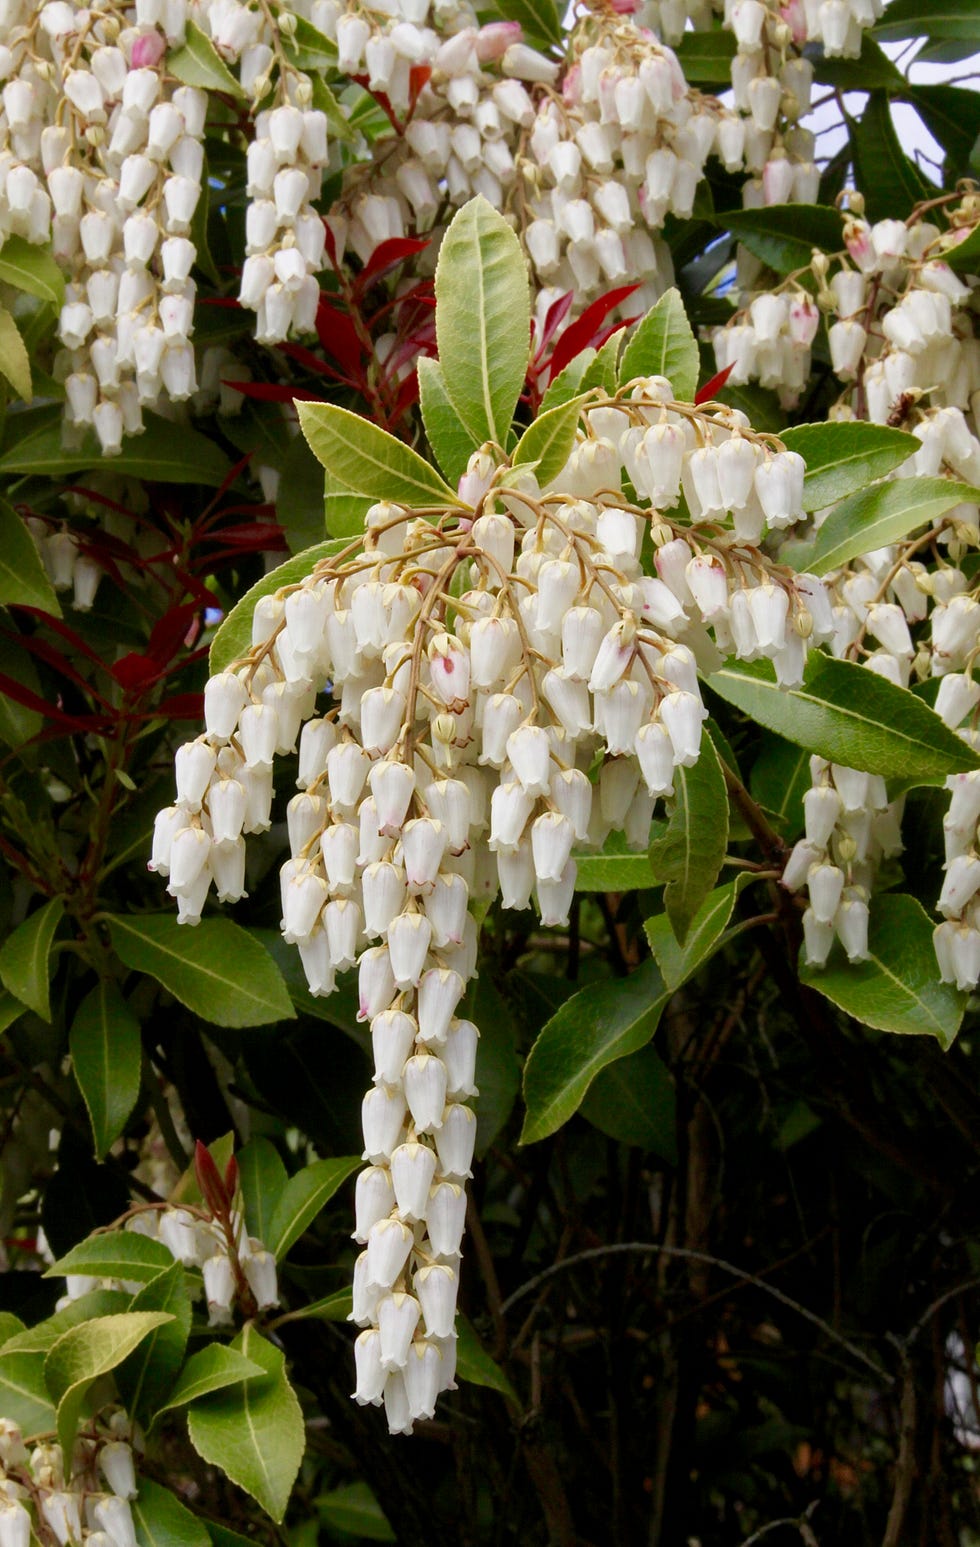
472 694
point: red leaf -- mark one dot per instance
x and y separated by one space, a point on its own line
252 536
271 391
29 700
418 77
181 706
408 393
66 633
581 334
59 662
395 250
231 1176
170 631
209 1181
716 383
135 672
338 336
554 317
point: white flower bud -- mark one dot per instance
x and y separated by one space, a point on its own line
425 1080
455 1139
371 1373
413 1167
374 1199
446 1217
389 1244
382 1117
440 991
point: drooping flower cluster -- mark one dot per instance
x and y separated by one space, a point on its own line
476 667
86 1500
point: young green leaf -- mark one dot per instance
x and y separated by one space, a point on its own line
115 1254
211 1369
217 970
32 268
688 855
664 345
234 636
483 320
368 461
23 580
162 1521
547 444
198 63
596 1026
897 989
25 958
881 515
263 1178
850 716
15 362
305 1195
253 1431
352 1511
451 442
83 1354
151 1369
841 457
704 937
634 1102
106 1054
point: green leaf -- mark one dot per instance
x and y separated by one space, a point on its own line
352 1510
22 577
325 102
162 1521
873 68
688 855
84 1353
107 1054
596 1026
498 1069
145 1378
851 716
841 457
539 18
160 454
451 442
367 460
613 872
474 1364
634 1102
706 57
664 345
779 780
234 637
344 512
305 1195
308 48
299 499
216 969
210 1369
263 1179
881 515
33 269
940 19
221 1536
886 176
24 1397
897 988
10 1325
783 236
570 382
705 935
11 1010
548 443
15 362
39 1338
336 1307
198 63
115 1254
952 115
483 320
253 1431
25 958
965 256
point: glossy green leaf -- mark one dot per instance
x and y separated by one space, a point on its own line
309 49
872 68
324 101
11 1010
844 456
217 970
42 1336
23 580
33 269
548 443
570 382
115 1254
540 19
679 962
887 177
952 115
198 63
779 780
783 236
483 320
451 442
234 637
344 512
663 344
851 716
305 1195
162 1521
222 1536
939 19
706 57
897 989
881 515
15 362
369 461
158 454
352 1510
211 1369
253 1431
25 958
107 1054
688 855
10 1325
613 871
24 1396
474 1364
83 1354
634 1102
263 1178
145 1378
601 1023
336 1307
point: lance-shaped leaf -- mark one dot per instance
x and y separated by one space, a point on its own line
634 1102
603 1022
151 1369
263 1178
352 1511
784 235
474 1364
25 959
451 442
851 716
254 1430
210 1369
162 1521
687 856
664 345
234 637
841 457
548 443
23 580
115 1254
106 1055
83 1354
483 320
705 935
897 989
24 1396
305 1195
877 517
33 269
15 362
217 970
198 63
368 461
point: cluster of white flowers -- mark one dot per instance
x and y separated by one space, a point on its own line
90 1501
479 666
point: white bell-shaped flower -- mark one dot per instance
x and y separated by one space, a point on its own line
389 1244
426 1080
413 1167
445 1217
382 1116
370 1372
374 1199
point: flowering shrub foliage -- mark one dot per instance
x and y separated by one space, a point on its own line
499 466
